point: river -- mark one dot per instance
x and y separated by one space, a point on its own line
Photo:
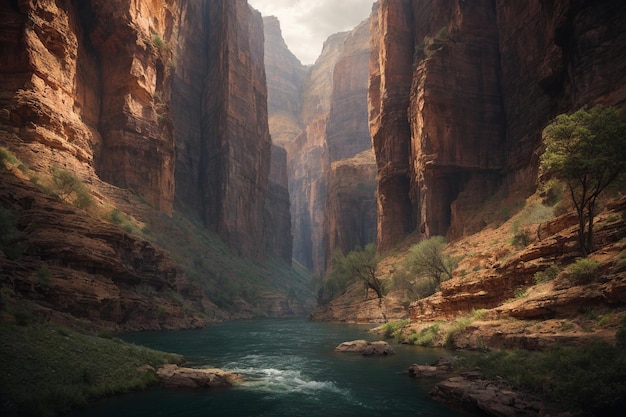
289 369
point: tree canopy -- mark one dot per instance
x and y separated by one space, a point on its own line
361 264
587 150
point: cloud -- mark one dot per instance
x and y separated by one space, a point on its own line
306 24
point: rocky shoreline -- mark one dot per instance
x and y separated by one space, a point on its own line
470 390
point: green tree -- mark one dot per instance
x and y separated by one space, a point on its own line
586 149
428 259
361 264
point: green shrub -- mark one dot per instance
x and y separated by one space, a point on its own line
11 242
425 337
583 270
158 41
391 329
430 264
115 216
548 274
7 156
589 378
70 189
521 239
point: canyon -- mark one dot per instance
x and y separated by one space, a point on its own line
319 115
171 164
204 142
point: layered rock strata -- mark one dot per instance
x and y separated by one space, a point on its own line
168 100
459 94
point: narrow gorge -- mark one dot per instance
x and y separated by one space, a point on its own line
172 164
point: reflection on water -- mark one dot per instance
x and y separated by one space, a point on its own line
289 369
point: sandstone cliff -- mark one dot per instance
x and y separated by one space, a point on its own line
108 85
459 94
163 100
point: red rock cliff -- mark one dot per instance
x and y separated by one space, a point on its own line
167 99
235 140
459 94
164 99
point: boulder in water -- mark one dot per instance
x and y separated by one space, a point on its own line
365 348
173 376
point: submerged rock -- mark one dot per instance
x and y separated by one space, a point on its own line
173 376
365 348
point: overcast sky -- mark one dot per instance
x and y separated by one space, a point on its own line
306 24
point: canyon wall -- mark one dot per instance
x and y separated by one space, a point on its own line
460 91
320 115
152 105
166 99
233 162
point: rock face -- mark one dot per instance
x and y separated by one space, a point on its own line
285 79
228 158
350 204
278 217
453 123
166 99
320 114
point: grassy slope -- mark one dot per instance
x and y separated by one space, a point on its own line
47 369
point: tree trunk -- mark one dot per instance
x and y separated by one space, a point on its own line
589 243
581 231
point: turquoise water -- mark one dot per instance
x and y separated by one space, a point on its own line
289 369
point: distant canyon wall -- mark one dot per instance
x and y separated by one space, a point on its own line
319 114
167 99
460 91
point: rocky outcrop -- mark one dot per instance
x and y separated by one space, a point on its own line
74 266
173 376
499 280
471 391
365 348
452 124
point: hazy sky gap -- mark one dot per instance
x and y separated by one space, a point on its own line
306 24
